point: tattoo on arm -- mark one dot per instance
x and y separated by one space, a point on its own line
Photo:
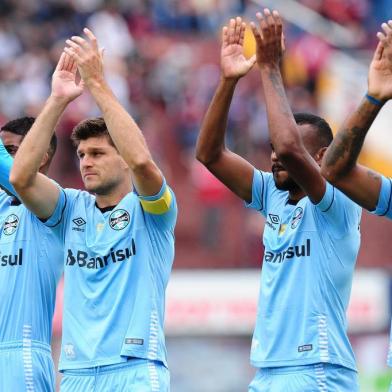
277 84
373 175
348 142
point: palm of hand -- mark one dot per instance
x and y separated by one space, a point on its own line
233 61
64 85
380 78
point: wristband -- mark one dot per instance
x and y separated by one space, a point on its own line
373 100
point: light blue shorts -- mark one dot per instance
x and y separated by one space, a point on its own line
135 375
321 377
26 367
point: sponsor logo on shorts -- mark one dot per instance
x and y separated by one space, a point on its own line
305 347
137 341
69 350
119 219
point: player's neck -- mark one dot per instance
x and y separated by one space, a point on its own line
296 194
114 197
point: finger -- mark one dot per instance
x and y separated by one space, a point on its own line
72 54
232 31
278 22
73 66
67 60
256 34
242 33
252 60
378 53
80 41
381 37
238 22
91 37
225 36
270 21
387 29
60 63
73 45
263 25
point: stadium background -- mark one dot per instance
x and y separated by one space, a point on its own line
162 61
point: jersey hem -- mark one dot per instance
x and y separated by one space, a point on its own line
307 361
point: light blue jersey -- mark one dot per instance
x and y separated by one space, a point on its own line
384 208
117 266
308 265
31 263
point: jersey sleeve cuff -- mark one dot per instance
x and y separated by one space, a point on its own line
157 204
58 212
384 201
329 196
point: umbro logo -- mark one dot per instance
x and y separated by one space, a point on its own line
272 221
274 218
79 222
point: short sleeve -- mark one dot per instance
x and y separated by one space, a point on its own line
384 207
6 162
259 191
160 209
340 214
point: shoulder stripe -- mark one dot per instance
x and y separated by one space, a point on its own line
333 199
62 211
390 197
160 206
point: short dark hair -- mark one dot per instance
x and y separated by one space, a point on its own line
92 127
325 135
20 126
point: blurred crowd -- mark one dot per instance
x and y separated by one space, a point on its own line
162 61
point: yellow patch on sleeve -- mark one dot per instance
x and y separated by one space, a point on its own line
159 206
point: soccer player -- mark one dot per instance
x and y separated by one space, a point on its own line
118 237
31 262
311 236
369 189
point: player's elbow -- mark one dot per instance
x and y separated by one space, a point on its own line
19 179
143 166
287 152
207 157
329 173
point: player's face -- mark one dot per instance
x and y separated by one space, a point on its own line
11 141
282 179
101 166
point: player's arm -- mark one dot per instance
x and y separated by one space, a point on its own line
284 134
125 133
37 191
340 165
235 172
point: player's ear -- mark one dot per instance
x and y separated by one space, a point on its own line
45 161
320 154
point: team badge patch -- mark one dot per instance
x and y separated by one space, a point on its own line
119 219
10 224
298 214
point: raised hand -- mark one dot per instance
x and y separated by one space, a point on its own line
269 38
88 57
380 71
234 64
64 85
